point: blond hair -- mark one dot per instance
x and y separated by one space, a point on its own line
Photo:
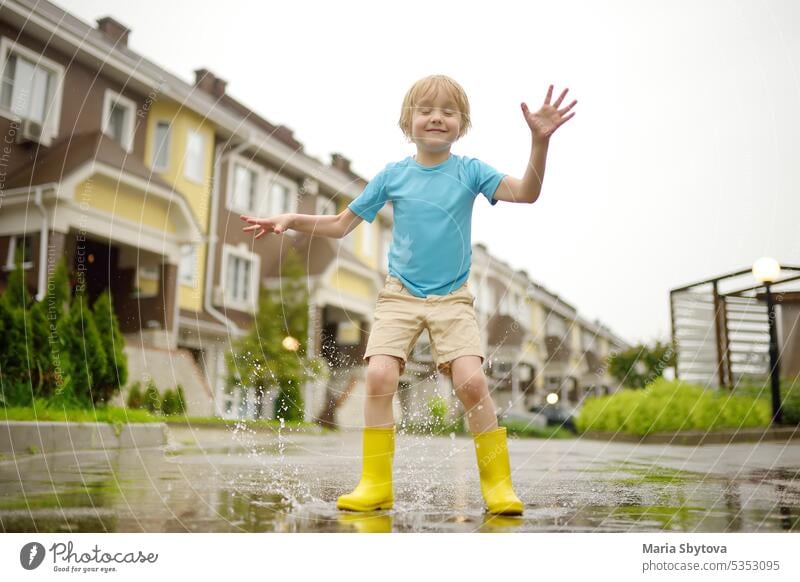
430 87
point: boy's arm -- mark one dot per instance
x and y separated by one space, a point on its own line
542 124
528 189
330 225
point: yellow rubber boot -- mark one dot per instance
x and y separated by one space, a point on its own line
374 491
491 448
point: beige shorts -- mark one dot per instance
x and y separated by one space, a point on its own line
400 318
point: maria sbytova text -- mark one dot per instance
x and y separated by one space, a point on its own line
694 550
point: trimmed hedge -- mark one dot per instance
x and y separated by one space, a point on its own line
672 405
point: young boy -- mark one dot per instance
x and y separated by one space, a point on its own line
432 196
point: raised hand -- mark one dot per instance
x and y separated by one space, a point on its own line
549 118
277 224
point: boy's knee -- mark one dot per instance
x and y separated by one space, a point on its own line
472 390
383 374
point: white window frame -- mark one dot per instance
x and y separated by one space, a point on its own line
53 109
166 148
196 131
270 178
230 198
187 272
255 260
110 98
12 250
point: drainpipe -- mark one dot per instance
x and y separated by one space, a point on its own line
43 241
212 237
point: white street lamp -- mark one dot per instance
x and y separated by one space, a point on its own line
766 270
290 343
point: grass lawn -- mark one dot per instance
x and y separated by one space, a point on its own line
115 415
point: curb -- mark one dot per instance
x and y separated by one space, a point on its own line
695 438
21 437
316 429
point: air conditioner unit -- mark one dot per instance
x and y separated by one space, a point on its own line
30 131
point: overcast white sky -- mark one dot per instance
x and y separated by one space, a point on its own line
681 162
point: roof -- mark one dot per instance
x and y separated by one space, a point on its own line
73 151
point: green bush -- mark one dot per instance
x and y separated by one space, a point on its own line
762 388
671 405
180 400
152 399
169 403
437 408
524 429
55 349
135 397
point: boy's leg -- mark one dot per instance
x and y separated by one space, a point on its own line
374 490
491 445
383 375
472 389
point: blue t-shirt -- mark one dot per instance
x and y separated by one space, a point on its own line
431 250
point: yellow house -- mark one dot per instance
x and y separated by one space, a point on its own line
179 146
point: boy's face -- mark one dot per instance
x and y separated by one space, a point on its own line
435 123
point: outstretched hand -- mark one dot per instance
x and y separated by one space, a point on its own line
277 224
549 118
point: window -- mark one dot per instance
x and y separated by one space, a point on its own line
30 88
244 188
279 198
367 240
556 325
188 265
238 279
486 302
161 146
147 281
589 340
240 268
24 245
195 152
118 119
27 89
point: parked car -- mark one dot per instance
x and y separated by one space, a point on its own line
528 418
557 415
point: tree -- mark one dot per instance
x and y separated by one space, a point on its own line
640 365
16 356
261 359
116 371
89 362
180 400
